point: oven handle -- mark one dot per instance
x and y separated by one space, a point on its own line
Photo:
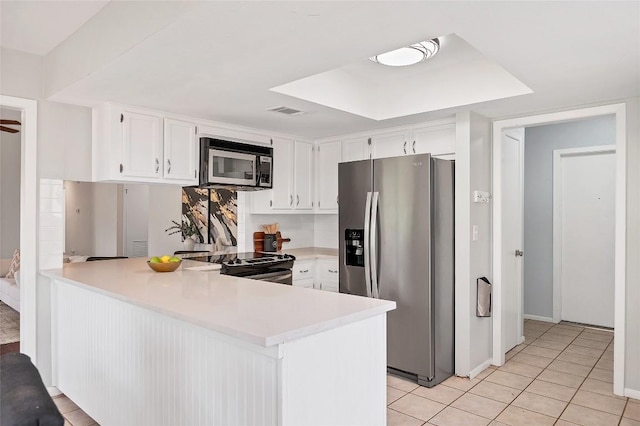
272 276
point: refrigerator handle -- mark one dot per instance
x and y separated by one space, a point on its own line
367 222
374 246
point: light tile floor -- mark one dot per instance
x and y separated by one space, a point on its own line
561 375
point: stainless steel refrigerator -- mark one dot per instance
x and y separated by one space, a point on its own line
396 220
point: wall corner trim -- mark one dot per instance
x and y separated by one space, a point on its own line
480 368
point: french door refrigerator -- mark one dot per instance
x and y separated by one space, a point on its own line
396 220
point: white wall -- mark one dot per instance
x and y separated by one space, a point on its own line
20 74
540 141
480 215
107 219
64 141
165 205
78 230
632 341
325 231
10 145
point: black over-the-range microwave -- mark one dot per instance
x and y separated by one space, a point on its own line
235 165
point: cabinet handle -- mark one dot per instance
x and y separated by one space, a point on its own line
333 272
304 272
320 286
414 147
297 200
290 199
168 166
157 165
404 148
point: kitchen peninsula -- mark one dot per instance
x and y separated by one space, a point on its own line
132 346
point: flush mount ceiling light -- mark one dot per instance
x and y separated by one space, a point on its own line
408 55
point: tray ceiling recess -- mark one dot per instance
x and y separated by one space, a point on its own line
458 75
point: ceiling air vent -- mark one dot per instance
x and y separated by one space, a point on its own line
286 110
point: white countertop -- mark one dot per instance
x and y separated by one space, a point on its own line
258 312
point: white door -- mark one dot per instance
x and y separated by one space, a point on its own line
327 159
180 151
392 144
303 176
141 145
434 140
355 149
282 193
584 197
512 236
136 224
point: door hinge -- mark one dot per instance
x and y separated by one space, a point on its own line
519 253
120 167
121 118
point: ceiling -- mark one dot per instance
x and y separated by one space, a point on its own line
225 61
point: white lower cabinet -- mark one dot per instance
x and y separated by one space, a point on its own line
321 274
304 273
327 275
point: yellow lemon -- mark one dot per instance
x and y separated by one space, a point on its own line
165 259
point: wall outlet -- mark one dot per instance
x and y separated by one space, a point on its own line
481 197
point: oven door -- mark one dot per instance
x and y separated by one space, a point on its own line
230 167
280 277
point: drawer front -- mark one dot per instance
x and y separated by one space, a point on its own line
328 271
303 270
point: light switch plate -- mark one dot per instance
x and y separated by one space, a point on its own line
481 197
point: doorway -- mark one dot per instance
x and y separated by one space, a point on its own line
501 304
583 235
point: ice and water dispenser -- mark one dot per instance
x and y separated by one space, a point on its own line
354 247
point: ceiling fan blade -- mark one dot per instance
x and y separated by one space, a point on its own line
14 122
8 129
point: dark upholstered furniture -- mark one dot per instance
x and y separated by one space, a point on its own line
24 400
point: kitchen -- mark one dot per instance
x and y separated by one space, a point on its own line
476 177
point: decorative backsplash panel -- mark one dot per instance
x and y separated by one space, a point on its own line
215 214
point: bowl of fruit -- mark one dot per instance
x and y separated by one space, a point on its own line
164 263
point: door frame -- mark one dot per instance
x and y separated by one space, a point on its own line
619 111
28 219
558 154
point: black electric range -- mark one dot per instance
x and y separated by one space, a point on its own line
262 266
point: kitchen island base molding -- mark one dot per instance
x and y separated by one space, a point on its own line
123 364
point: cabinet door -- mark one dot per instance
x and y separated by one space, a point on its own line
327 159
282 193
141 145
327 275
435 140
303 177
391 144
355 149
180 151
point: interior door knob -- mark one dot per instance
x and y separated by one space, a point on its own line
519 253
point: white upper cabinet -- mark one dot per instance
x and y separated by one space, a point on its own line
355 149
438 139
180 150
292 180
141 145
328 156
391 144
303 176
283 157
136 145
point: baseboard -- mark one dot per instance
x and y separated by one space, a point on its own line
537 318
53 391
521 340
632 393
479 369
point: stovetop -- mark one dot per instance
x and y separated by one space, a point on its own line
246 259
